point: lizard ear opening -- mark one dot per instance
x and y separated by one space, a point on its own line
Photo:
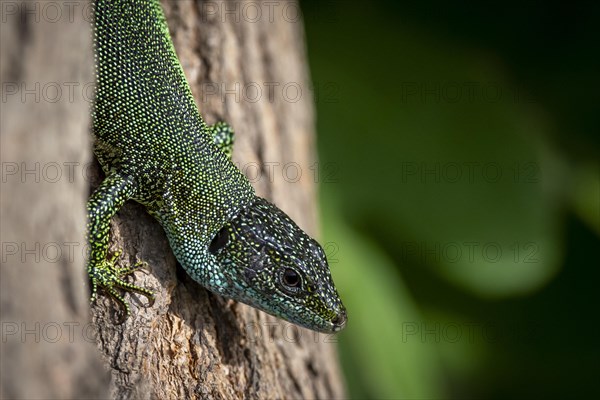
219 241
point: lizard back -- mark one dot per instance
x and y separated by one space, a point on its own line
147 125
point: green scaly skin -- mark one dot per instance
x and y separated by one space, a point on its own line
156 149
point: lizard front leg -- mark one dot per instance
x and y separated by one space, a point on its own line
106 200
222 135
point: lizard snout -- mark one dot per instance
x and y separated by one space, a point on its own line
339 322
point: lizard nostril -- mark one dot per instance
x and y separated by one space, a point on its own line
340 320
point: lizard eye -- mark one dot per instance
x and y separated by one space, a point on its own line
291 280
219 241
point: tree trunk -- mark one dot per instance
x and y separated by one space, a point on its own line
246 64
47 346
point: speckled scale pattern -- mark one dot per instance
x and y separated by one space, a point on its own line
156 149
148 127
263 243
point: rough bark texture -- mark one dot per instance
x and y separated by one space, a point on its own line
245 62
45 351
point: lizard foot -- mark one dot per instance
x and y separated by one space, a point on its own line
109 277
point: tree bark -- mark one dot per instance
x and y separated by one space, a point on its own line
47 350
246 64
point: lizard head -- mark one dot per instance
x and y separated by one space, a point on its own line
268 262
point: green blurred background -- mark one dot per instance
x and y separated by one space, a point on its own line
460 194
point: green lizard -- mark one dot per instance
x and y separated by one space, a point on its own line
155 148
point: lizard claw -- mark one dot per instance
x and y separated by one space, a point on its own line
108 276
